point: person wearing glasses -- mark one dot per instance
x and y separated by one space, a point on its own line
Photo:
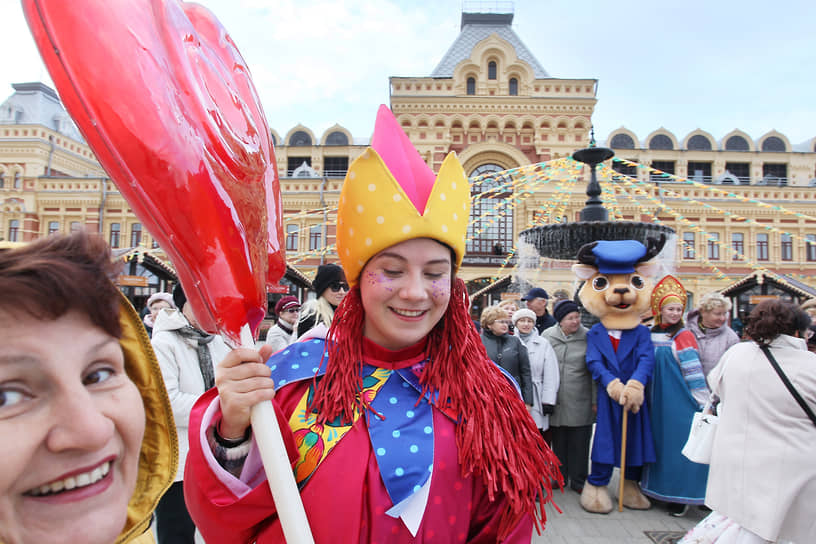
400 429
331 286
507 350
279 335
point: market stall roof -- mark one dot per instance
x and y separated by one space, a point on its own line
758 277
500 283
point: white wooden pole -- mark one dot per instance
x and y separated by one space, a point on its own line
276 464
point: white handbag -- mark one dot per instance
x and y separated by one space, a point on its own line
701 436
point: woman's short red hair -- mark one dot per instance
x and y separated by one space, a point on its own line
52 276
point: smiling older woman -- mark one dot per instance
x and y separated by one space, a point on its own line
709 324
85 421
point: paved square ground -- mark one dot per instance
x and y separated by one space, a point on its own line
576 526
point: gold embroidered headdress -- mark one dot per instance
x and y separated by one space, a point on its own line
667 291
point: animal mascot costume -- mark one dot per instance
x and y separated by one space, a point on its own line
620 356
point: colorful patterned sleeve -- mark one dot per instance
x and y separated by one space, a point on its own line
687 353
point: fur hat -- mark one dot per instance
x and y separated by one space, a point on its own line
286 303
563 309
390 195
326 275
524 312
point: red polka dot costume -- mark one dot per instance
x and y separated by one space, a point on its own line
387 446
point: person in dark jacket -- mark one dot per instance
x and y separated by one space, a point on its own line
331 286
536 299
507 351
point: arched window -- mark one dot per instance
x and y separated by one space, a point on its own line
491 69
622 141
513 86
661 141
471 86
18 180
773 144
2 179
698 142
736 143
300 138
490 231
337 138
53 226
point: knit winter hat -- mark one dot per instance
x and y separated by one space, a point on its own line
391 195
524 312
563 309
179 298
326 275
167 297
286 303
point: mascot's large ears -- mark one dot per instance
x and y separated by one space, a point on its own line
589 264
584 271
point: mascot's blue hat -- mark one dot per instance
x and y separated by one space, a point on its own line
618 257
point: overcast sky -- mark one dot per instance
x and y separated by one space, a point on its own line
715 65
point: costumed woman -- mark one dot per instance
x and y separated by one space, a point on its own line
543 369
86 426
676 392
399 427
762 478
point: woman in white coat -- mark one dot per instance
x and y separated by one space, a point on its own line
762 479
187 357
543 367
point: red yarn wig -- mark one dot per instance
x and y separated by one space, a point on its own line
511 457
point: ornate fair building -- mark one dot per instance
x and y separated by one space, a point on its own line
740 204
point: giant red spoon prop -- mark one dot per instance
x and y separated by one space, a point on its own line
165 100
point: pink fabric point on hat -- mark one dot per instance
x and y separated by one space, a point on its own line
402 159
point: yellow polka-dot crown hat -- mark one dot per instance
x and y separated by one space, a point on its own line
390 195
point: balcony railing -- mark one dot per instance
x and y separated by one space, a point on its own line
326 173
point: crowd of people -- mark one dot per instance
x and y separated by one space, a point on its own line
401 420
700 363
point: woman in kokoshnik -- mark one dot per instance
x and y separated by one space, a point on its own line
398 425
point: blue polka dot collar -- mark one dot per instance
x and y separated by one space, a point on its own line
402 438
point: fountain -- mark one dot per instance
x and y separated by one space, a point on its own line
562 240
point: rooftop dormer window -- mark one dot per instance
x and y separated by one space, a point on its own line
491 70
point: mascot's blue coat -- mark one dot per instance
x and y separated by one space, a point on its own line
634 359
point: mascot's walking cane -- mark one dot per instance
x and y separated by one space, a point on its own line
622 458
